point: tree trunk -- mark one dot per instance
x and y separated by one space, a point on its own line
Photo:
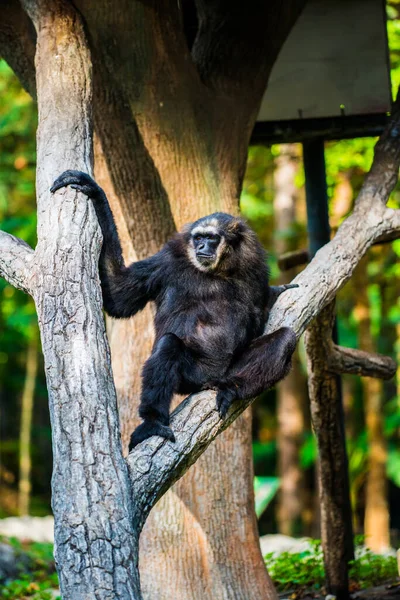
290 394
28 394
184 154
376 520
95 541
191 525
327 420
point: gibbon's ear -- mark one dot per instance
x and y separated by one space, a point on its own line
234 227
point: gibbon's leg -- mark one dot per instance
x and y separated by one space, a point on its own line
265 362
160 380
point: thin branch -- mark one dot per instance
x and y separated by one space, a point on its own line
358 362
388 239
384 171
156 464
332 358
297 258
392 225
15 260
370 221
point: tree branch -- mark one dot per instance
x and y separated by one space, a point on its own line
297 258
15 258
370 221
326 356
17 43
236 45
327 420
156 464
358 362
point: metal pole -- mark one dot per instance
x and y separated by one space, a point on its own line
338 494
316 194
317 200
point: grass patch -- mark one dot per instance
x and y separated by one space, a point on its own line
305 570
36 573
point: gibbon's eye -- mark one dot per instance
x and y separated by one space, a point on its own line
197 238
214 237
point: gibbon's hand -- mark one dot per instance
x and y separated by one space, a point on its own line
78 181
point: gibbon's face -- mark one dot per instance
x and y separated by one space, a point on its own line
206 245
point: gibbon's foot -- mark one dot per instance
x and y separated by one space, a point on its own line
225 397
78 181
215 384
148 429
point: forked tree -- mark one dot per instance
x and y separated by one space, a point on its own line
158 100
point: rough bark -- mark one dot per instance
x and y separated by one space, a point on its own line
182 123
333 483
361 362
15 259
290 392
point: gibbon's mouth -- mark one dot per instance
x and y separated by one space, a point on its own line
205 258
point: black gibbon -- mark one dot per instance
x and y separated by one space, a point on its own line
210 287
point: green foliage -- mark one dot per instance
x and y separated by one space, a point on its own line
308 451
297 570
265 489
18 120
36 569
393 465
305 570
369 569
24 587
40 553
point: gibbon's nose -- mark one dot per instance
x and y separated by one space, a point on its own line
201 246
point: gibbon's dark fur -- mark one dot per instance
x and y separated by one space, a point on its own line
210 287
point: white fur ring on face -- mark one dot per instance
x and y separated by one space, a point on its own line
191 252
208 227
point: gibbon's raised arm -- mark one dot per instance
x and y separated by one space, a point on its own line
126 290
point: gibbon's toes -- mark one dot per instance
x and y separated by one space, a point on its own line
149 428
224 401
76 179
212 385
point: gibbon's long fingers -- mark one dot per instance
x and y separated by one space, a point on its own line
78 181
